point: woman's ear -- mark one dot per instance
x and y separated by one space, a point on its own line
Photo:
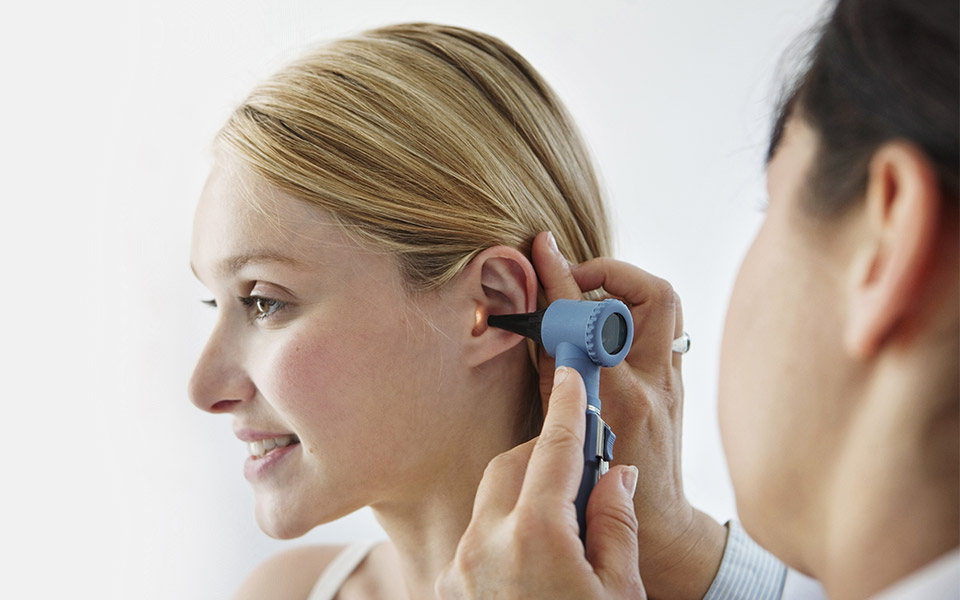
498 281
903 206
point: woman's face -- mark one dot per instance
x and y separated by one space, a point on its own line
316 338
783 371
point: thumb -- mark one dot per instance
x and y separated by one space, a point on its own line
612 546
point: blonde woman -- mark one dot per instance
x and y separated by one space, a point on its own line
369 207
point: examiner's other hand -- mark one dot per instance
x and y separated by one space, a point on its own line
523 538
643 404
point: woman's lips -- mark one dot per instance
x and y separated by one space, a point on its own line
255 468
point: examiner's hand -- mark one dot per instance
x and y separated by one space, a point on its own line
643 404
523 539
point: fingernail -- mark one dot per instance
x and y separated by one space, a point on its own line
553 242
628 479
559 375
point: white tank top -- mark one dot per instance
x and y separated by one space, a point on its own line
339 570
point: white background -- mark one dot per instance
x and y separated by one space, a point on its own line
113 485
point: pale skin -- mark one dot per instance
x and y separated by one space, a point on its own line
838 389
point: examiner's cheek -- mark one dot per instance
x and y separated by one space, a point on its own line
735 372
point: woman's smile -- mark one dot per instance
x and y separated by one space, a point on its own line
258 467
266 450
259 448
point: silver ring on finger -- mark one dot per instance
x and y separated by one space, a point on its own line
681 344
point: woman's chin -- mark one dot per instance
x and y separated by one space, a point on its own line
280 522
285 521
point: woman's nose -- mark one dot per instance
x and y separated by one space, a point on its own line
219 382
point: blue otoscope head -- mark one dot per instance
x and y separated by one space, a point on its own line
582 334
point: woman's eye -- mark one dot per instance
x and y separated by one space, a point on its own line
262 307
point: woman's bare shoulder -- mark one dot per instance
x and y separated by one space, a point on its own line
290 574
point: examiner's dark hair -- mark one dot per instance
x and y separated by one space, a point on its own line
880 70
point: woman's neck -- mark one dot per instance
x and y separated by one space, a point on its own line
425 537
893 505
426 525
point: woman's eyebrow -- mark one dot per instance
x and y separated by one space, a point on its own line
233 264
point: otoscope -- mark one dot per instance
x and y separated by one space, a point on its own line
585 335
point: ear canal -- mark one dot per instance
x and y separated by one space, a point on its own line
478 322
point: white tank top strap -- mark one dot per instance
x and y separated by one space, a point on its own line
339 570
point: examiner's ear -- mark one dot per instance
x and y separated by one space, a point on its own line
903 205
498 281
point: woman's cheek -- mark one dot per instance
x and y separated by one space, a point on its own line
307 380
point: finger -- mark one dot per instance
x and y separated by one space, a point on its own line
553 270
653 303
677 357
612 533
501 483
556 464
555 276
448 585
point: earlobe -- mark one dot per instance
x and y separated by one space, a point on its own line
499 280
902 210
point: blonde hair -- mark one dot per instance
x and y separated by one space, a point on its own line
432 142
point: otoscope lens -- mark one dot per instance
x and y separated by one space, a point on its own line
613 334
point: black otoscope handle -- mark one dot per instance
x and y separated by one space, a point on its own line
597 452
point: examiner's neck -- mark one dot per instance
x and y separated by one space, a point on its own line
893 507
